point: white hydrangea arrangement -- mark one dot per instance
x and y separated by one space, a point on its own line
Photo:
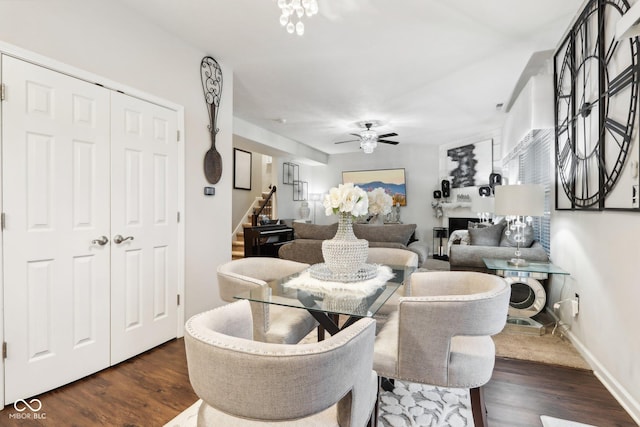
379 202
348 199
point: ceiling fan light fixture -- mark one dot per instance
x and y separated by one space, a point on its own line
369 135
368 147
368 141
369 138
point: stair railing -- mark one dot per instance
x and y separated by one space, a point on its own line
256 215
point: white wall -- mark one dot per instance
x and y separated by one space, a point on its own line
108 40
600 250
243 199
287 207
530 111
421 168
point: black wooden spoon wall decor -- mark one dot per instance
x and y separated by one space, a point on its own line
211 75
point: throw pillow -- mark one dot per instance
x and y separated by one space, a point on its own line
477 224
510 240
304 230
393 233
486 236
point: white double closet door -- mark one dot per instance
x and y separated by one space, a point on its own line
81 165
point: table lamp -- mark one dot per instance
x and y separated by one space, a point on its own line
484 206
518 203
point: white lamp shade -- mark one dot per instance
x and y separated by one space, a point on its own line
315 197
483 204
524 199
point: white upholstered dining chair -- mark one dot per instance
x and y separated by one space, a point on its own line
272 323
441 334
248 383
398 257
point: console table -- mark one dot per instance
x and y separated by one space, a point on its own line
528 296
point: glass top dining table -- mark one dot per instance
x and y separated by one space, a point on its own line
328 305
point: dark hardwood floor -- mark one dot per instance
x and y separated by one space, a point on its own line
151 389
148 390
519 392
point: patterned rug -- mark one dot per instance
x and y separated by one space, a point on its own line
409 405
417 405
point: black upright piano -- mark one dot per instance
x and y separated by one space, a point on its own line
265 240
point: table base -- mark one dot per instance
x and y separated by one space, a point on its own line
524 325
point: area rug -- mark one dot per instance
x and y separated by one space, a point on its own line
408 405
551 348
548 348
557 422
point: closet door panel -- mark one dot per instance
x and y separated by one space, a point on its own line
55 169
144 209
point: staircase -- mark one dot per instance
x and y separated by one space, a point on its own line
237 240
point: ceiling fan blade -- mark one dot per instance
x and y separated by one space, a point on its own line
388 142
386 135
355 134
342 142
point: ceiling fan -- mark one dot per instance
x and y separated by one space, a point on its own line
369 138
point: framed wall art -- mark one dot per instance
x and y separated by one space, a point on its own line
290 173
241 169
470 165
300 191
392 180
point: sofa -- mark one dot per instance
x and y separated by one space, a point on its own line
307 244
468 247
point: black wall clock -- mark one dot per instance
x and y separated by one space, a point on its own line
596 96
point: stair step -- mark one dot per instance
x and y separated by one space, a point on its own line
237 244
237 254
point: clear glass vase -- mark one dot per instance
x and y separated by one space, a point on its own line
345 254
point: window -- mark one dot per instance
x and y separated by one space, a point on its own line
534 167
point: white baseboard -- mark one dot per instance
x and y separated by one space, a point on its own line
616 389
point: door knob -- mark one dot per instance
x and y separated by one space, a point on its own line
101 241
119 239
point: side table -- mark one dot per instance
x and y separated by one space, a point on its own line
528 296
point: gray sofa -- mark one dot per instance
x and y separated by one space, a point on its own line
491 242
307 245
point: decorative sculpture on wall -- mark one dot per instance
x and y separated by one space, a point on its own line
211 75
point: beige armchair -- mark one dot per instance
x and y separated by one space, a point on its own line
441 334
393 256
271 323
249 383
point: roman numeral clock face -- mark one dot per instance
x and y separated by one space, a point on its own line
596 96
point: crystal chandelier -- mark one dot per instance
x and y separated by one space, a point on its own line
292 9
368 141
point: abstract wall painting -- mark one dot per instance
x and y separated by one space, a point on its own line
470 165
